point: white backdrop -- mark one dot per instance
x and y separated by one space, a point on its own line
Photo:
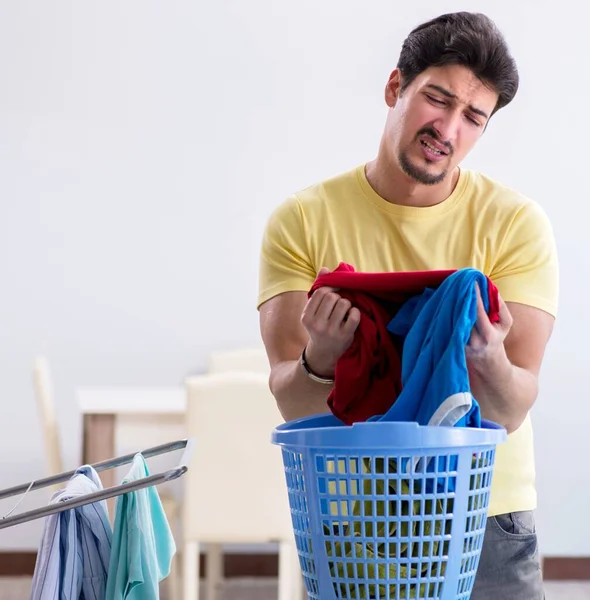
143 144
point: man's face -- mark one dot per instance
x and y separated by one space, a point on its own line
436 121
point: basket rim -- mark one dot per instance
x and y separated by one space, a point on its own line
327 431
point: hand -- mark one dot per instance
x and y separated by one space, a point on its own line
330 321
486 343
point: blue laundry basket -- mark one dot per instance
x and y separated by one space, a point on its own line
388 510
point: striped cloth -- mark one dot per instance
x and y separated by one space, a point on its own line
74 555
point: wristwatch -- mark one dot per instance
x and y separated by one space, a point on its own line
311 374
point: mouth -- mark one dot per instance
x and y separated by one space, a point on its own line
434 148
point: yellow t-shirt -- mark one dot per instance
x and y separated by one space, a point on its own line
482 224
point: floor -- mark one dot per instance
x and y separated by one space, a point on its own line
17 588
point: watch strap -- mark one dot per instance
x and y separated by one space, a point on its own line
311 374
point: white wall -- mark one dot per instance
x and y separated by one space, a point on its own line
143 144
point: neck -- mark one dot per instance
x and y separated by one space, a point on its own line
393 185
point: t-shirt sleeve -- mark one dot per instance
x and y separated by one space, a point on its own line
285 263
526 270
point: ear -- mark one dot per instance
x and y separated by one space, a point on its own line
393 88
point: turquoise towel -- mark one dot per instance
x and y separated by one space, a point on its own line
143 545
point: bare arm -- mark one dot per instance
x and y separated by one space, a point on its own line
505 383
284 337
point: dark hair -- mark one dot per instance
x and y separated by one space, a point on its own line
464 38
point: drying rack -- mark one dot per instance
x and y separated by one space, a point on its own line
111 492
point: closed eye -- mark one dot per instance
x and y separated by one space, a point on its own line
434 100
473 121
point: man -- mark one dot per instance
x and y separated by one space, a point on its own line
414 208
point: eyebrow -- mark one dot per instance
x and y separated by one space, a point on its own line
449 94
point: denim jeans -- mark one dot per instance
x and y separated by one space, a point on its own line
509 566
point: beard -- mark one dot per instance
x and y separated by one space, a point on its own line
418 173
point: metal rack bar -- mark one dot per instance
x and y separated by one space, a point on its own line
150 480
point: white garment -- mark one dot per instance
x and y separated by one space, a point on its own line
74 555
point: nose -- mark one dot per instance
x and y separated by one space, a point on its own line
447 125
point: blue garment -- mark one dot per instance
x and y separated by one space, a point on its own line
143 545
74 555
437 326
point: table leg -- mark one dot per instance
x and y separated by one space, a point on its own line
99 444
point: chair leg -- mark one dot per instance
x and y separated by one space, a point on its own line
290 579
173 591
190 568
214 570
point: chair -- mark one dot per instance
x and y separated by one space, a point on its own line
221 361
44 396
43 386
235 488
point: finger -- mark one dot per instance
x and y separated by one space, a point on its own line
325 309
314 303
353 318
482 323
339 313
504 313
475 341
324 271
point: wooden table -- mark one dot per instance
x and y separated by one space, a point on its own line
101 406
